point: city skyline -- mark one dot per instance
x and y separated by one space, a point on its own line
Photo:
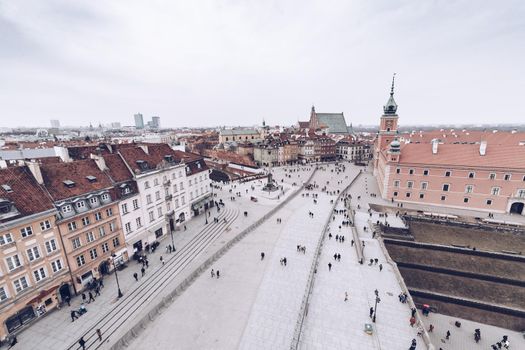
243 62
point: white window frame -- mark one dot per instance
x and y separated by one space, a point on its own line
39 274
45 225
19 289
6 238
57 265
51 246
26 231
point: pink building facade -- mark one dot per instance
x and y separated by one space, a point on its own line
476 170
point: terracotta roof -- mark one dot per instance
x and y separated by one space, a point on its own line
451 136
154 157
54 176
117 169
21 188
467 155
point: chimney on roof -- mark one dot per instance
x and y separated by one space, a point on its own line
34 167
482 148
435 143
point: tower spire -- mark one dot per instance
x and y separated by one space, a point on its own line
391 106
392 89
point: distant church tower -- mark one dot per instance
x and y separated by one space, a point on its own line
314 124
387 126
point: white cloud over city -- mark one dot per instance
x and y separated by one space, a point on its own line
205 63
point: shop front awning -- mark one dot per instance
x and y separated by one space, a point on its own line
42 295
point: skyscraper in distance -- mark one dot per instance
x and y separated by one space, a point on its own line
139 121
155 122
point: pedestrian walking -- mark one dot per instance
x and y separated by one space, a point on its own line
136 276
73 315
218 274
82 343
143 270
413 311
147 263
90 297
212 273
97 291
284 261
83 297
329 266
371 312
161 260
380 267
346 296
262 255
99 334
68 300
413 345
412 321
431 328
352 242
448 335
101 282
184 227
329 236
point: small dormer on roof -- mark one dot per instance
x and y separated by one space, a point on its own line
391 106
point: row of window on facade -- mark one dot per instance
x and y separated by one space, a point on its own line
93 252
156 181
22 283
24 232
77 242
443 197
86 220
33 253
470 175
82 205
495 191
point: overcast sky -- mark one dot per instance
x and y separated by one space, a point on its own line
198 62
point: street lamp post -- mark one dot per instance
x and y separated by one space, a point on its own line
116 276
172 227
375 307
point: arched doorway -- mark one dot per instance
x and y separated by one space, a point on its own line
64 291
517 208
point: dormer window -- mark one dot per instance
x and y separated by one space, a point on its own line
66 209
187 170
93 200
7 188
91 178
81 205
105 197
168 158
5 206
198 165
69 183
142 165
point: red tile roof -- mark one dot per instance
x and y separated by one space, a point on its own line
117 169
497 156
55 174
26 194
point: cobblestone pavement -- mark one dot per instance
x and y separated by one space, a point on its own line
56 331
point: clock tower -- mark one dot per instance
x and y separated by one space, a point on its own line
388 124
